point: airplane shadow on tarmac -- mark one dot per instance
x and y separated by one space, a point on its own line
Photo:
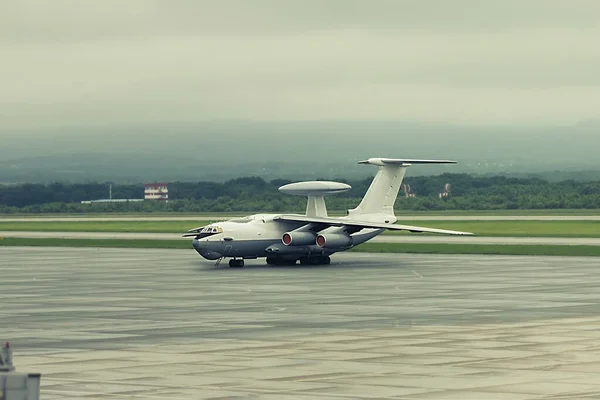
347 263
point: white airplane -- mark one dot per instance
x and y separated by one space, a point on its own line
313 237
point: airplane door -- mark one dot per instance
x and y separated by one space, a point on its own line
227 249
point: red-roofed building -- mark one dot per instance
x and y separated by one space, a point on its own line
156 191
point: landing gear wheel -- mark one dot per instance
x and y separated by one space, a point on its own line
280 261
320 260
233 263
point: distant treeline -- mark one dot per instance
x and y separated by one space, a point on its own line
467 192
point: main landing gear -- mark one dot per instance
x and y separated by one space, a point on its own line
234 263
280 261
313 260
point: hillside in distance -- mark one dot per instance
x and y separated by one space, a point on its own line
217 151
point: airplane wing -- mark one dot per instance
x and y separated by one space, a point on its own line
364 224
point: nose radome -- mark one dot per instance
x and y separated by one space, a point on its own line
202 249
200 245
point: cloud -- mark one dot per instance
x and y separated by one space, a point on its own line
139 62
75 20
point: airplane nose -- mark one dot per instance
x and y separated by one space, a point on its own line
202 249
200 245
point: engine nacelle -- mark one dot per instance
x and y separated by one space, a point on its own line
298 238
334 240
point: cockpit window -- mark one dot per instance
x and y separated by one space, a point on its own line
211 229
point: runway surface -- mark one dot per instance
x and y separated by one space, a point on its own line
379 239
193 217
164 324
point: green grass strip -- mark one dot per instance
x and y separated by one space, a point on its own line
498 249
524 212
584 229
103 226
117 243
424 248
331 212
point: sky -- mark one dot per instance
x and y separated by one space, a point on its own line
115 63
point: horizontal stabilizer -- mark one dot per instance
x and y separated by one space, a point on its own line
342 221
389 161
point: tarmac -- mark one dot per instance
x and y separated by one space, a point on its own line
166 324
553 241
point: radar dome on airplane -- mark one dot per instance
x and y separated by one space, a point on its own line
314 188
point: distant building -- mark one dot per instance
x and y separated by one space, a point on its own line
406 189
446 192
109 200
156 191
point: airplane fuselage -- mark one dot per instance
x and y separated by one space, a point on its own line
259 235
311 238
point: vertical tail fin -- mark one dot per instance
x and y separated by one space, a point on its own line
383 191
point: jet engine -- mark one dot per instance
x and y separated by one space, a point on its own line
298 238
334 240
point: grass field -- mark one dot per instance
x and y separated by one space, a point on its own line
530 250
553 212
102 226
116 243
367 247
589 229
550 212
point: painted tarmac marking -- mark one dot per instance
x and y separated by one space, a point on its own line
417 274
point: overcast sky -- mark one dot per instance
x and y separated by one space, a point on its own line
118 63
